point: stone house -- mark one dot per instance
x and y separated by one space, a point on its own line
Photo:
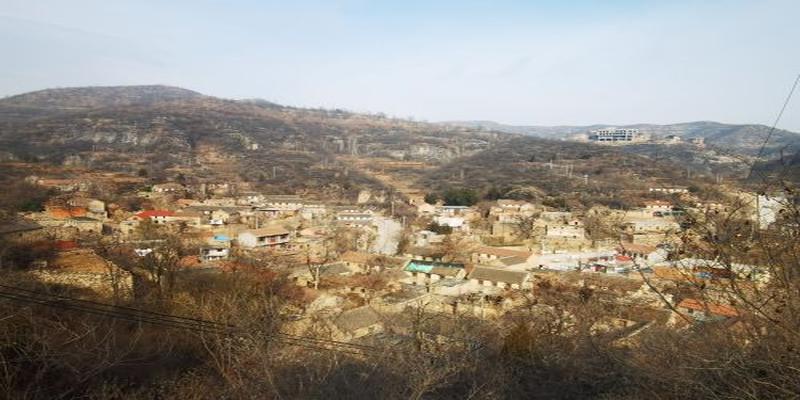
356 323
274 236
85 224
486 254
500 278
426 273
159 217
169 187
704 311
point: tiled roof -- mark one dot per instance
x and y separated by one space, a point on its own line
498 275
716 309
155 213
357 318
424 251
509 261
356 257
268 231
500 252
188 214
445 271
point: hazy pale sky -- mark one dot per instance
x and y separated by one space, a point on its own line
518 62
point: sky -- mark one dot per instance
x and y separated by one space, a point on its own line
530 62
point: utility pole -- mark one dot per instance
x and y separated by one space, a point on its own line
274 171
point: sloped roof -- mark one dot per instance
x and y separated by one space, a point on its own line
155 213
203 209
498 275
716 309
357 318
268 231
188 214
445 271
424 251
335 269
500 252
508 261
356 257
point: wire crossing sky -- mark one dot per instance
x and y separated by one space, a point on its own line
526 62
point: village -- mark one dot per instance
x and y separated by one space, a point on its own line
360 268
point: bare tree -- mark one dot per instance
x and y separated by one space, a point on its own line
525 226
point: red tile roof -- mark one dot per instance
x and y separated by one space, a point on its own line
716 309
155 213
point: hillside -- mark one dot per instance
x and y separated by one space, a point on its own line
740 139
168 132
67 100
562 174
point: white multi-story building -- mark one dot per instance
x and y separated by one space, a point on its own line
614 135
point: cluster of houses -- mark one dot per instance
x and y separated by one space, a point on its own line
479 264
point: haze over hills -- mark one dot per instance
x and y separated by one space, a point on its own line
745 139
64 100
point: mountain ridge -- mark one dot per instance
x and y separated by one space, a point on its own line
743 138
170 131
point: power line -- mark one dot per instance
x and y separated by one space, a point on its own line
104 313
136 310
171 321
290 339
774 125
